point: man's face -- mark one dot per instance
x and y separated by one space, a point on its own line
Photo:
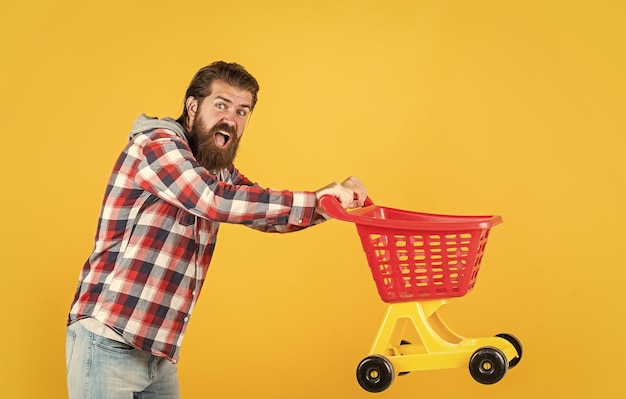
217 124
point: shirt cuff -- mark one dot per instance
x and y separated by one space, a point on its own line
302 208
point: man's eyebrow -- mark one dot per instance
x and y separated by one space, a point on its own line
231 102
224 99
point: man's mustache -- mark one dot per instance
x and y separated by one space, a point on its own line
222 127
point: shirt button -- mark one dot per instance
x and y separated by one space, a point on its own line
300 221
186 319
193 293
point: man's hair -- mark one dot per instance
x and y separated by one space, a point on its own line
230 73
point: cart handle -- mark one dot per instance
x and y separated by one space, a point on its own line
333 208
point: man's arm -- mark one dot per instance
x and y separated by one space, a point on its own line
166 167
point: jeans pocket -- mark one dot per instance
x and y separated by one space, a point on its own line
111 345
70 343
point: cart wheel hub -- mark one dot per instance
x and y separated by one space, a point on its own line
486 367
373 374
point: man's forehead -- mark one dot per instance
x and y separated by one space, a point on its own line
221 89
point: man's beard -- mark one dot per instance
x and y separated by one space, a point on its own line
207 153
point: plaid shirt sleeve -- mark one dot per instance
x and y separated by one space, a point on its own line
237 178
167 168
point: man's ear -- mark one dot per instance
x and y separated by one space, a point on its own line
192 107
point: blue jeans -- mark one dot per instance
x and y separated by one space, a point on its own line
102 368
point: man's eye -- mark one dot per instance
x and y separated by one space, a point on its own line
242 112
220 105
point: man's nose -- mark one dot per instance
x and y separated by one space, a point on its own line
229 119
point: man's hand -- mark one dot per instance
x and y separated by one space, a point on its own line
351 193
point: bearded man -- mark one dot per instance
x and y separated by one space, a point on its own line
170 189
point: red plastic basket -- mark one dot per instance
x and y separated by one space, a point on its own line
416 256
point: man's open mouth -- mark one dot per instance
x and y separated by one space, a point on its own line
221 138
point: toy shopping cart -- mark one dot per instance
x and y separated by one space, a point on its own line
420 262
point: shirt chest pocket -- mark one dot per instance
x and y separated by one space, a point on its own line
185 218
182 224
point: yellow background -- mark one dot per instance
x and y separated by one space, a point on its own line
513 108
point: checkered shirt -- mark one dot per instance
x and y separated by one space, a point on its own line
156 235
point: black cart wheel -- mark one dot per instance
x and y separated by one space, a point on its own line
488 365
516 344
375 373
